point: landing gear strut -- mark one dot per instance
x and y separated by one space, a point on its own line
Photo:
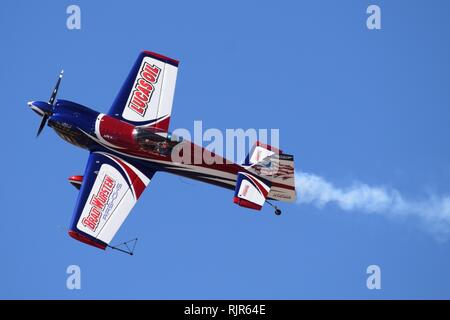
277 210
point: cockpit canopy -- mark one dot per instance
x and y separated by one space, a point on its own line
151 141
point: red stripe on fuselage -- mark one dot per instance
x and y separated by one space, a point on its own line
120 133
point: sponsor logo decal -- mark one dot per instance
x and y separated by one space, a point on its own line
98 202
281 196
258 155
246 187
143 88
110 206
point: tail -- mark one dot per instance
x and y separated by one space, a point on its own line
271 164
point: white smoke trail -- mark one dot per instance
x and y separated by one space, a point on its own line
433 212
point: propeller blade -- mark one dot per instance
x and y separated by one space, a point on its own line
55 90
42 125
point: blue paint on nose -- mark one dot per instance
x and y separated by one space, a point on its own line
41 107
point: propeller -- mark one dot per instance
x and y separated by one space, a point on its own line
42 125
55 90
51 102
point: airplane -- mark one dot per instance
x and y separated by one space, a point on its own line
131 142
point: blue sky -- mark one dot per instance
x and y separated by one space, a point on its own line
351 105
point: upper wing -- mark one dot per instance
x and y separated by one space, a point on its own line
146 96
111 186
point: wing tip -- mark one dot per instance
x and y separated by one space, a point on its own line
161 57
82 238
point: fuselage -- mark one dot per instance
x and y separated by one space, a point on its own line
94 131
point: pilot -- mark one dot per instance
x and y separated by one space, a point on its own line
163 148
148 144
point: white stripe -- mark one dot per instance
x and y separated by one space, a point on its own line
37 110
140 175
124 170
180 166
250 178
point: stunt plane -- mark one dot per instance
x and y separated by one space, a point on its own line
131 142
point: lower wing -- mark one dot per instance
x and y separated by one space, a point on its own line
111 187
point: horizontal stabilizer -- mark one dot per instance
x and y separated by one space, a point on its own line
251 191
76 181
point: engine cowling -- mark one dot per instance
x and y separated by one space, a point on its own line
76 181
